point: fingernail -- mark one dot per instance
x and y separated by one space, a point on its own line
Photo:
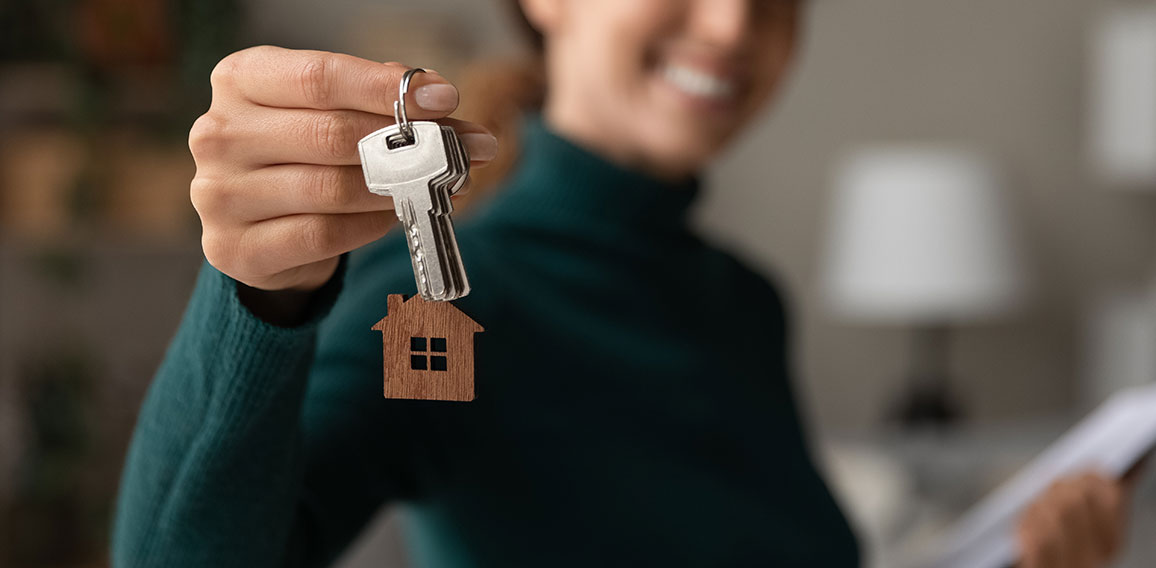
437 97
482 147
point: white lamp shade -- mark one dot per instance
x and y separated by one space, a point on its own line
919 234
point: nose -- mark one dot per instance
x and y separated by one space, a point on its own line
721 23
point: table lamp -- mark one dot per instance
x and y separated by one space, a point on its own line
919 237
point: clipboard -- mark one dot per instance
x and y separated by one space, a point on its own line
1111 440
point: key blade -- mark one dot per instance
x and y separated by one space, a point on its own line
421 177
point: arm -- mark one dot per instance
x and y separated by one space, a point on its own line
216 464
261 445
233 462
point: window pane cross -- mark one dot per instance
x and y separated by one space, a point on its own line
419 357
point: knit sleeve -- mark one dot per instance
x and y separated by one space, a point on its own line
214 472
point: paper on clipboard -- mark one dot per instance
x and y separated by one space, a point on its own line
1110 440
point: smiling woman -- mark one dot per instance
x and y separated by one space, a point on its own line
633 396
657 86
673 81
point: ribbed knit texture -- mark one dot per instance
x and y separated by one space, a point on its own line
633 404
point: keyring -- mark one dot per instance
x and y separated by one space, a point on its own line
399 105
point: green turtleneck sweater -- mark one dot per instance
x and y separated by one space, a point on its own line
633 404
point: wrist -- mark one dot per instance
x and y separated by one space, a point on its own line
292 307
284 308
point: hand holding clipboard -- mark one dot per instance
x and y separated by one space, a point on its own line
1112 441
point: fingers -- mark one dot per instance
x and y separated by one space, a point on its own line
308 238
278 77
306 136
1109 506
290 189
1039 534
1077 523
261 253
264 136
1082 547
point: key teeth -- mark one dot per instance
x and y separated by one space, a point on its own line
417 258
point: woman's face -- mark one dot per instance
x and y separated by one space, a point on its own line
662 84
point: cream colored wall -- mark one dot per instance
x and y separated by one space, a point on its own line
1008 77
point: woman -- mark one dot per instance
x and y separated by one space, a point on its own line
633 404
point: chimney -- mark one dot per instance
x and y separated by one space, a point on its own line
393 303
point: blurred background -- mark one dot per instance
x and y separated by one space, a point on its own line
958 197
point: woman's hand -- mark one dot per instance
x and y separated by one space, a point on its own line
278 186
1079 522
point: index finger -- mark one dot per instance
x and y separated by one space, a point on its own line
287 78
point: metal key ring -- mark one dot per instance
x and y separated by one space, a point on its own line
399 105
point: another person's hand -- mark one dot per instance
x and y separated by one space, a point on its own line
278 186
1079 522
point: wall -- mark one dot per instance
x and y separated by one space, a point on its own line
1008 77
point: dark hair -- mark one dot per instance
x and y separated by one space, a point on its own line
496 94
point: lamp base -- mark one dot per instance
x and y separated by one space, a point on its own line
928 399
928 402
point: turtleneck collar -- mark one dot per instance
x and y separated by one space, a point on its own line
558 180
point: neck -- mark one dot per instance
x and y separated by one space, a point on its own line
572 125
562 186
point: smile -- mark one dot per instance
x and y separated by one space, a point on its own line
697 83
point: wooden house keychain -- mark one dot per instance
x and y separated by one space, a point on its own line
427 343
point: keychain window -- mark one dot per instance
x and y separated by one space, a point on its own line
419 360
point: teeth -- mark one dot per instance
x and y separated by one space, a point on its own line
697 83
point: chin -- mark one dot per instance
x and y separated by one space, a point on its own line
683 149
686 141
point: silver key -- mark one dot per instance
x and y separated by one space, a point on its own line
420 177
420 164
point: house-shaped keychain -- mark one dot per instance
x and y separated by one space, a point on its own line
427 350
